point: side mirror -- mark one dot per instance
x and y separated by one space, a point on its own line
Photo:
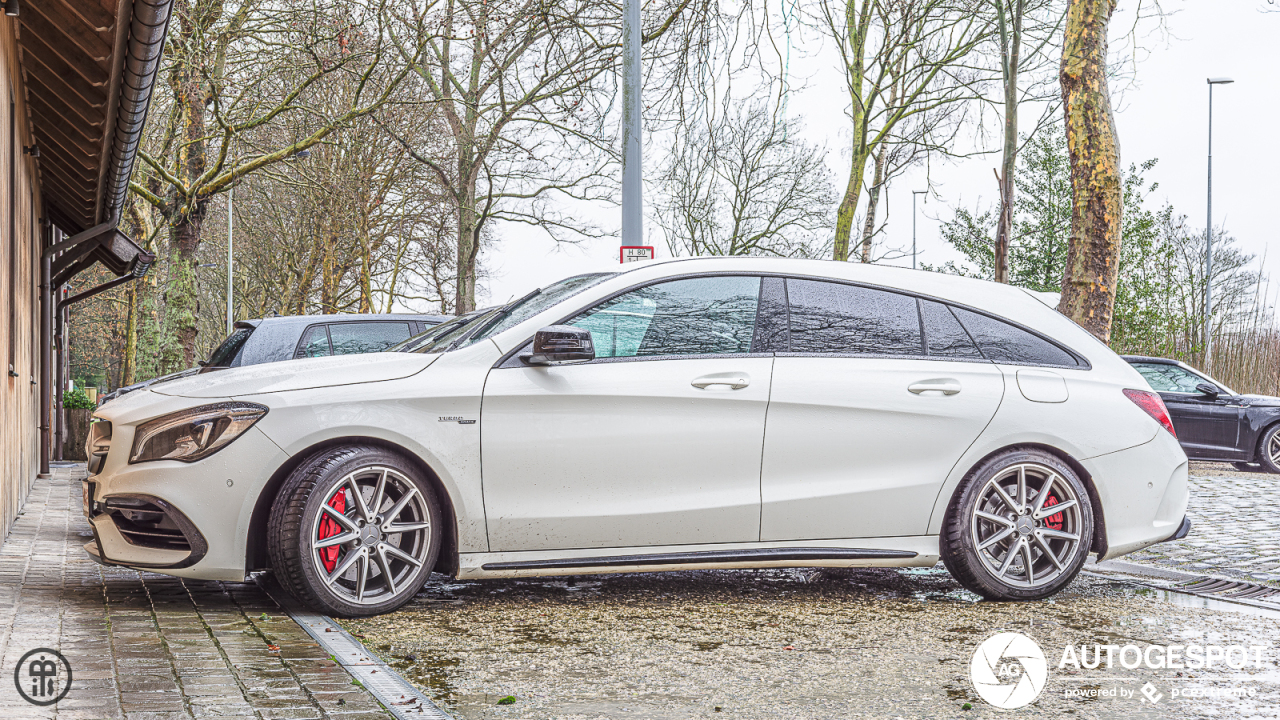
1208 390
557 344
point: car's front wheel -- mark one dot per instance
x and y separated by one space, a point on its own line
1019 528
354 531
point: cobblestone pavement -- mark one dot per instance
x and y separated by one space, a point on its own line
150 647
1235 527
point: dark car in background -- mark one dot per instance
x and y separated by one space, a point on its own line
1213 421
273 339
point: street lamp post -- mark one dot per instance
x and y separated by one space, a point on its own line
632 202
1208 238
230 264
914 193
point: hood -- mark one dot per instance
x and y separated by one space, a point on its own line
1259 400
298 375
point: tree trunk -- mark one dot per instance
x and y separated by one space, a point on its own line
1093 253
1012 56
873 201
182 305
468 249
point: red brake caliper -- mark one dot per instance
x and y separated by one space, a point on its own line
1054 521
330 527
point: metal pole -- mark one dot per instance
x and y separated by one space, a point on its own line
1208 238
230 266
632 197
1208 252
914 193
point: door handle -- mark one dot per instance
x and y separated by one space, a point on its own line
735 381
946 386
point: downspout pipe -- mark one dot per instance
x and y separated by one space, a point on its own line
46 349
147 31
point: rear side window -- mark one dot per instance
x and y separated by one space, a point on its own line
315 343
846 319
944 336
370 337
698 316
1003 343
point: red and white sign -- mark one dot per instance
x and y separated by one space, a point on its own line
634 253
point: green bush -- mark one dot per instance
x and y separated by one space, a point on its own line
76 400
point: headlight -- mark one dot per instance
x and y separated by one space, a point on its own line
191 435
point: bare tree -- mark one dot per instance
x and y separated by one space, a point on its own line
903 60
232 71
745 186
524 89
1026 37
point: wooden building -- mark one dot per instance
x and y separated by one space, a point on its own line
77 76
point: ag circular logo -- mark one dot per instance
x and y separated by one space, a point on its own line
1008 670
43 676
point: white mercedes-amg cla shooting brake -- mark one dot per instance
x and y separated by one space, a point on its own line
699 413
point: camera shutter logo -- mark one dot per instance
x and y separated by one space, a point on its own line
1008 670
43 676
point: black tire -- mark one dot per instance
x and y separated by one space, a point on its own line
1267 459
973 567
297 516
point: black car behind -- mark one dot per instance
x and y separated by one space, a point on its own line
1213 421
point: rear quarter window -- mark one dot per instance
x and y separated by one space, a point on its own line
1003 342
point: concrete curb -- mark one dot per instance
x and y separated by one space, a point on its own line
396 694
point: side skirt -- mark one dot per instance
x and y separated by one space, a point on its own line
918 551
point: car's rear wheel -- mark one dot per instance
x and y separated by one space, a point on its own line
1019 528
1269 449
354 531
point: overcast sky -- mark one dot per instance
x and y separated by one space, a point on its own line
1163 115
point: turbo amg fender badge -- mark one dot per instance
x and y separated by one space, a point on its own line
456 419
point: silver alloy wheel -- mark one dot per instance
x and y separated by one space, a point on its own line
1273 449
377 534
1026 525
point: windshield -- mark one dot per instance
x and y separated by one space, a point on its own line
440 337
225 354
535 302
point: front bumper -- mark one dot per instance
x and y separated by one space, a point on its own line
183 519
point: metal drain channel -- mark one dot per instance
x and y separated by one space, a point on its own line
396 694
1216 587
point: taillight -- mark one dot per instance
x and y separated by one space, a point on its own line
1154 406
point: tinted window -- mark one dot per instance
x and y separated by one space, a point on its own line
699 316
358 338
943 334
1169 378
315 342
225 354
771 323
1004 343
834 318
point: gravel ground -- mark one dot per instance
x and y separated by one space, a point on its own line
874 643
